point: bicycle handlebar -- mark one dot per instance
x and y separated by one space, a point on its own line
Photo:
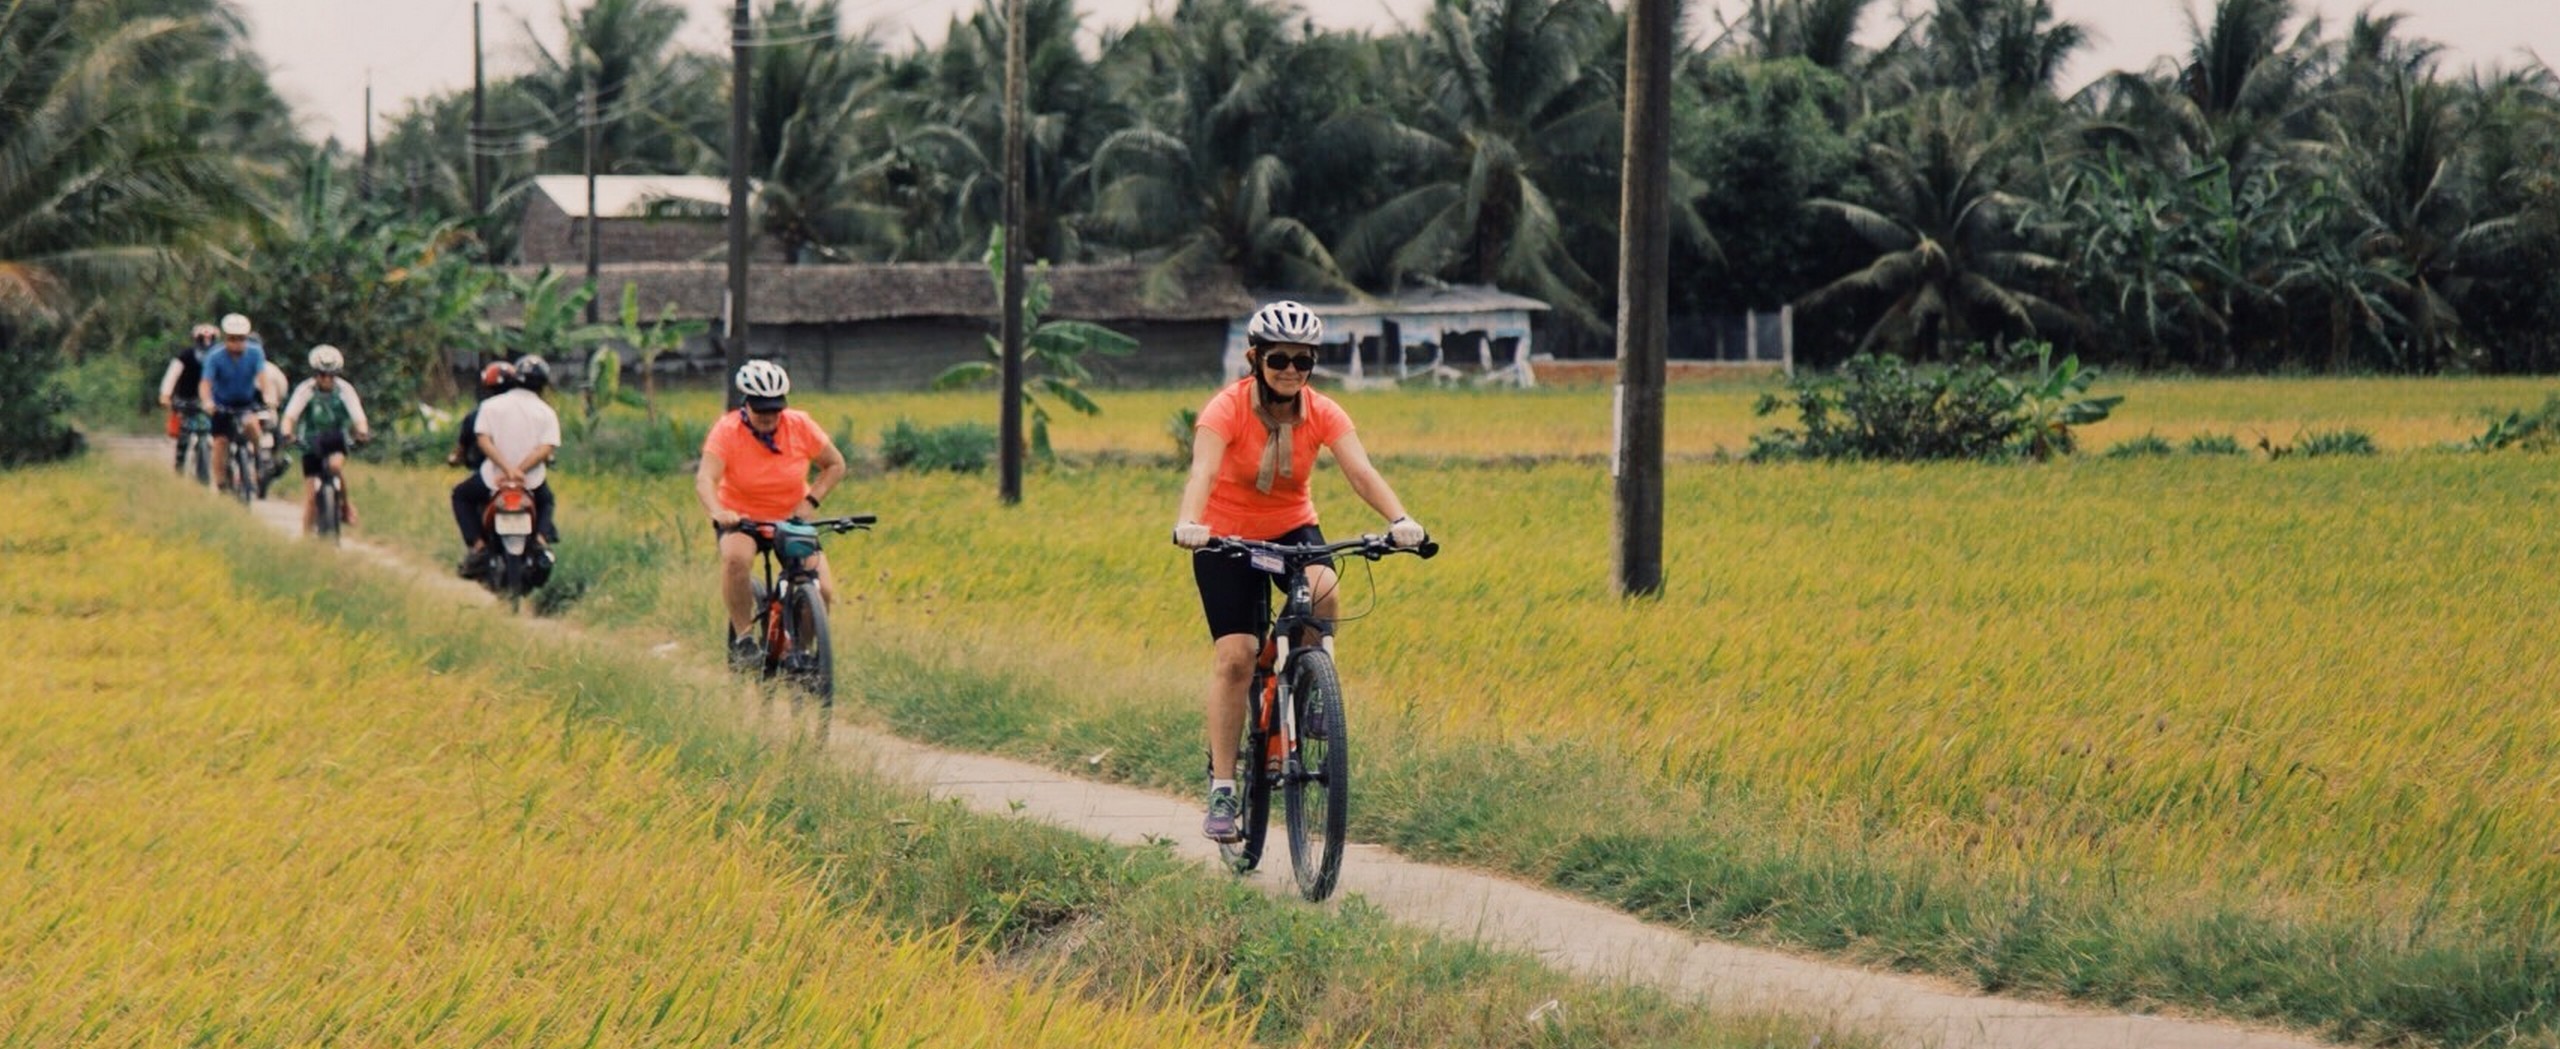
1372 547
838 525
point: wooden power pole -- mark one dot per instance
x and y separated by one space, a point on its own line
734 340
1644 262
1009 417
595 251
479 136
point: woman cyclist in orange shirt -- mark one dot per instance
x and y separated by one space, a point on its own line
755 466
1250 461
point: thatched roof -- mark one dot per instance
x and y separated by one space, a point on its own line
829 294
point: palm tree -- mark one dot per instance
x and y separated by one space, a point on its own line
2418 205
953 140
1945 228
1516 122
98 181
812 106
620 50
2015 48
1227 97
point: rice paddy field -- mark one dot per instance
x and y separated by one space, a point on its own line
1707 418
2274 739
261 795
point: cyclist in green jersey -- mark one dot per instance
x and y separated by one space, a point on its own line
324 411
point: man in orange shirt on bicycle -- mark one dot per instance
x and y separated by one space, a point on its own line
755 467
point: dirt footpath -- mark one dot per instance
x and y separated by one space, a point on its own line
1567 932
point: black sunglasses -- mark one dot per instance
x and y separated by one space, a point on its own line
1305 362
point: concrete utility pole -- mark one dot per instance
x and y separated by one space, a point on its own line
1644 262
1009 483
734 341
364 180
595 251
479 123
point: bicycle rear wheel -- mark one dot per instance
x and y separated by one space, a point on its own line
1318 780
1253 790
811 661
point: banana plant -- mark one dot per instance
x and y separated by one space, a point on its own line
1054 348
2054 399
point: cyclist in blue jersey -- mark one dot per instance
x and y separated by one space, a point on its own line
229 388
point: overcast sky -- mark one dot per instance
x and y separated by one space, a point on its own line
321 51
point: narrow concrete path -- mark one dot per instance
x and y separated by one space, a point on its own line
1571 933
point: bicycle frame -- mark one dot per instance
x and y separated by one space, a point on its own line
781 576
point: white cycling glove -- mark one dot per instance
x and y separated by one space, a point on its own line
1405 531
1190 535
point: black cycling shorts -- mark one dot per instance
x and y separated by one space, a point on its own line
318 447
226 421
1234 595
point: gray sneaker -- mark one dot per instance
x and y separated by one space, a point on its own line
746 653
1221 825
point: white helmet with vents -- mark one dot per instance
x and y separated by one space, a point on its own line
1285 321
326 359
763 381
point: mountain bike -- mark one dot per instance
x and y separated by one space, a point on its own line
791 617
1296 740
329 500
243 476
195 438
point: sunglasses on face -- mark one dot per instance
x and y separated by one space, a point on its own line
1305 362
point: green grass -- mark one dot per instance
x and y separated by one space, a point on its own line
1133 926
2266 738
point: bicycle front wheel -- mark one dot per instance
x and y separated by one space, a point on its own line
324 511
243 484
200 448
811 662
1318 780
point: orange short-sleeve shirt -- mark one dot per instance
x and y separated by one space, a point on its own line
1235 506
766 484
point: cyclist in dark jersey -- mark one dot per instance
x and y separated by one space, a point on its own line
325 411
182 381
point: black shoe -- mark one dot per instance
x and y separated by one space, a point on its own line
746 653
472 564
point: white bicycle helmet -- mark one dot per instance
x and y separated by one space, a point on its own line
763 380
326 359
235 324
1285 321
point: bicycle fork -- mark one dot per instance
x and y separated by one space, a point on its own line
1275 711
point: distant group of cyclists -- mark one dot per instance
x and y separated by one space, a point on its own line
225 374
1253 454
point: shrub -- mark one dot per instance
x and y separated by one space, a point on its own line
2538 430
2214 444
1879 407
959 447
32 429
2333 442
2149 445
1182 427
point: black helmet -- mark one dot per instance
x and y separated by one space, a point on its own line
533 373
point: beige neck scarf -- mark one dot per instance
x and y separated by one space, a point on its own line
1281 422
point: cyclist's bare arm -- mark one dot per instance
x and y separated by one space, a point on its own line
830 471
706 488
1207 448
1365 479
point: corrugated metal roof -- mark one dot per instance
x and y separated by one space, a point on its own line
629 196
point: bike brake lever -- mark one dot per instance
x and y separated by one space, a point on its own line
1428 549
